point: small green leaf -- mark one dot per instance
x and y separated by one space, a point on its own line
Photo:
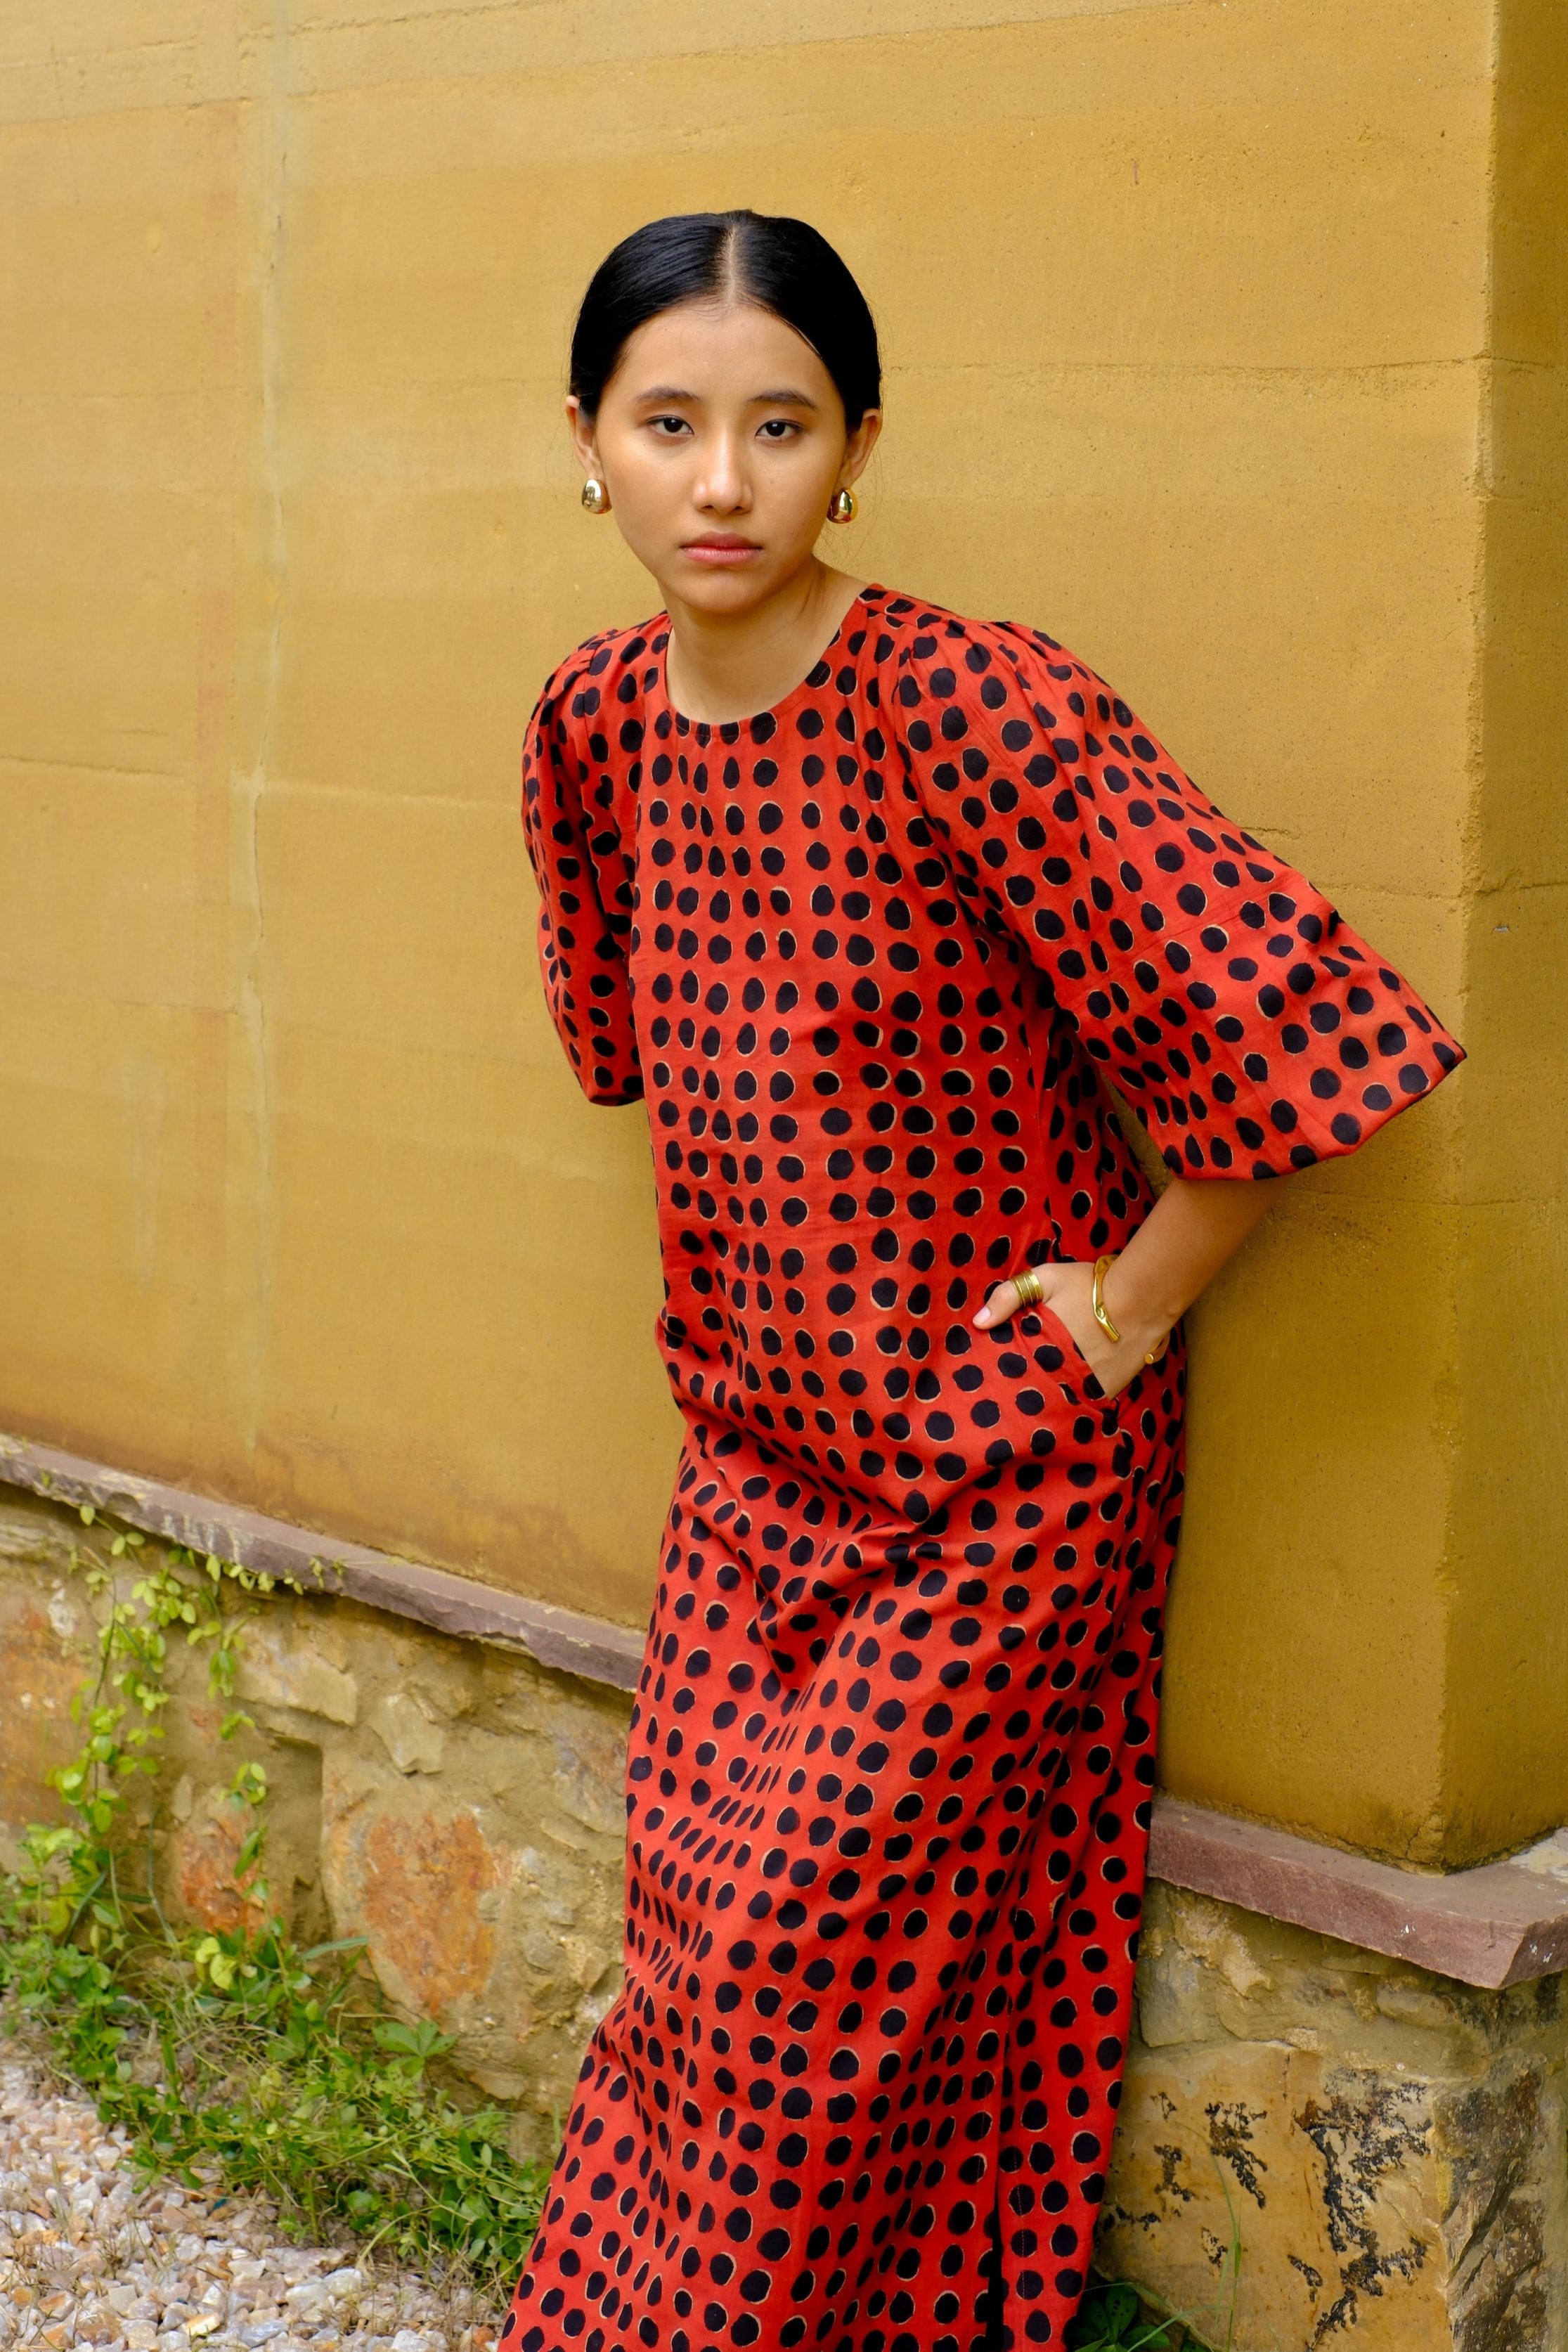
1120 2308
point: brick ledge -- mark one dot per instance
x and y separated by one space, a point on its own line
1503 1924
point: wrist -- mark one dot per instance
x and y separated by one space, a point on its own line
1139 1312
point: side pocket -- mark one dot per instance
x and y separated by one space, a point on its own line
1055 1330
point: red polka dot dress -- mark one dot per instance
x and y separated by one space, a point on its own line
872 957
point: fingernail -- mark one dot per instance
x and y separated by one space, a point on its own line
984 1316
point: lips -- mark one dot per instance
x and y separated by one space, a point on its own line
720 547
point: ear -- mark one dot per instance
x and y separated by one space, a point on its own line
583 436
859 446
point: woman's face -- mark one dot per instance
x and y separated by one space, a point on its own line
720 439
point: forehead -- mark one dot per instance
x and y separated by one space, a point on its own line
720 350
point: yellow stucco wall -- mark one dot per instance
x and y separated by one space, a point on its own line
1218 345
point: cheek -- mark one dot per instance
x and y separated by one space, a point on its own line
799 484
647 485
644 462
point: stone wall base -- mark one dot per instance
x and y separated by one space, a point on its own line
458 1805
1319 2146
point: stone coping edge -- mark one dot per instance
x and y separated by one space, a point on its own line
1500 1924
590 1646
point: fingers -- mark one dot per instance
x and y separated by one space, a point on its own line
1002 1302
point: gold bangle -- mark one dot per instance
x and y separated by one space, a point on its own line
1097 1299
1102 1315
1028 1286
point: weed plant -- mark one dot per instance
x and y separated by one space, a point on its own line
1116 2319
234 2056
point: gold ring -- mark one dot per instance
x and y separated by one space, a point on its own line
1028 1286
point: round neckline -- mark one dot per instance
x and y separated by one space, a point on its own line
706 728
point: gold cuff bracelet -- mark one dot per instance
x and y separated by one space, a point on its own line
1097 1299
1103 1313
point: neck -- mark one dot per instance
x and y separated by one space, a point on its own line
721 667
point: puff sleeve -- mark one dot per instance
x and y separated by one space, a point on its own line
585 881
1250 1028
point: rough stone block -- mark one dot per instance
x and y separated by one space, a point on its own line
413 1879
1318 2143
205 1857
277 1671
413 1741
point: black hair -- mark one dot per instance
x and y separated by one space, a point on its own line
781 265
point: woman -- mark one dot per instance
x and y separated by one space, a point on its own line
875 905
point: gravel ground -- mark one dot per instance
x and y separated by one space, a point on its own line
88 2257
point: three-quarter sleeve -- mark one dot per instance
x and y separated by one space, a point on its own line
1250 1028
585 880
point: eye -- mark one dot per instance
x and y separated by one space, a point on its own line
668 428
779 428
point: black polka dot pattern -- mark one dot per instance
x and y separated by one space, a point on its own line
867 956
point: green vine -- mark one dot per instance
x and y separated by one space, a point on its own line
234 2057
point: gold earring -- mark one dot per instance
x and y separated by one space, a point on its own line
841 507
595 497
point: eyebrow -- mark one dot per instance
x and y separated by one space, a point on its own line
784 397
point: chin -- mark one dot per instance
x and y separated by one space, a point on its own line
722 591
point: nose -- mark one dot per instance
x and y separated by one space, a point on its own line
722 487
